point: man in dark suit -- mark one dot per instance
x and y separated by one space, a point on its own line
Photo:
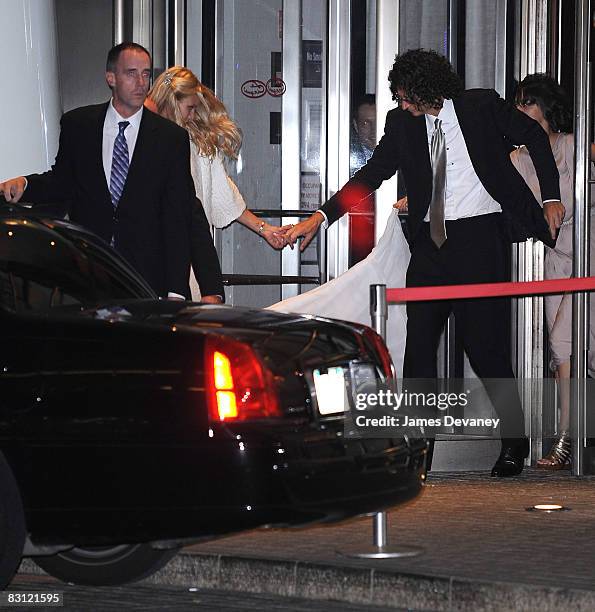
466 202
124 173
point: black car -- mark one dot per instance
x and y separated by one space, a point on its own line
130 426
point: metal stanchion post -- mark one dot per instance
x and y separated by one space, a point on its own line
380 548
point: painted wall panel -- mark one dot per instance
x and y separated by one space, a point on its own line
29 103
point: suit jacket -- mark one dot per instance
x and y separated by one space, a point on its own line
489 126
151 224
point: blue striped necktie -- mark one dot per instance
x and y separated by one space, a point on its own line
120 163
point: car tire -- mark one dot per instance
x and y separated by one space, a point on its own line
12 524
105 565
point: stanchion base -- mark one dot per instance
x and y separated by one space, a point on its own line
380 552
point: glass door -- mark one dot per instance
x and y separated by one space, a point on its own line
270 74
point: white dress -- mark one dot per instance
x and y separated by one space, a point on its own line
559 260
221 199
347 297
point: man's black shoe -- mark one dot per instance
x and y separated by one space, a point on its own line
510 462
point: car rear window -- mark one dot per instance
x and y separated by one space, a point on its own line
42 269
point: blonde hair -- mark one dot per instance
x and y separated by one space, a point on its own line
212 129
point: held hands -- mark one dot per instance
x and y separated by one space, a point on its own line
306 229
13 189
274 235
554 215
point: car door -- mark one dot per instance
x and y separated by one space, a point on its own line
94 389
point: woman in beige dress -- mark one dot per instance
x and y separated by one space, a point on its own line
178 95
542 99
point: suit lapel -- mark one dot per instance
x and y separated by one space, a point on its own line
417 148
96 140
140 159
418 145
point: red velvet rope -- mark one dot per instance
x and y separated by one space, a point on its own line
481 290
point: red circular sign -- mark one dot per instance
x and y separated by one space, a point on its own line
254 88
276 87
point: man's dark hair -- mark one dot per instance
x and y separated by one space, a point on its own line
551 98
426 77
114 54
368 98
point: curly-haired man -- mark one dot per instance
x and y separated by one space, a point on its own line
466 201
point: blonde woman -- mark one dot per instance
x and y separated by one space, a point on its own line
179 96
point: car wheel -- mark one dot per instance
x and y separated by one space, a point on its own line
12 524
105 565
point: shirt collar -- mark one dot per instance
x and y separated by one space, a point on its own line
114 117
446 114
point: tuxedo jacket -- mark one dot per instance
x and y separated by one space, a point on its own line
490 127
152 222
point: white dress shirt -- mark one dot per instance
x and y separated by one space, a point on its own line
110 131
465 196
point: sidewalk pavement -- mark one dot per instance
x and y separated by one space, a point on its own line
482 551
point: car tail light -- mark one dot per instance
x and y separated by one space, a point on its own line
382 352
238 386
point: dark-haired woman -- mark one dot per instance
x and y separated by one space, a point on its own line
542 99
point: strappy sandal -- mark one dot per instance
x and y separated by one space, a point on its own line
559 456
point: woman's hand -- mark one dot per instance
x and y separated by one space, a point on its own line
274 235
554 215
211 299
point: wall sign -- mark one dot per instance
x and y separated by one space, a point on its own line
276 87
311 63
254 88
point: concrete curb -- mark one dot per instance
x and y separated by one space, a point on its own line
366 586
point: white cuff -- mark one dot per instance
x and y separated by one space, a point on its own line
171 294
324 224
